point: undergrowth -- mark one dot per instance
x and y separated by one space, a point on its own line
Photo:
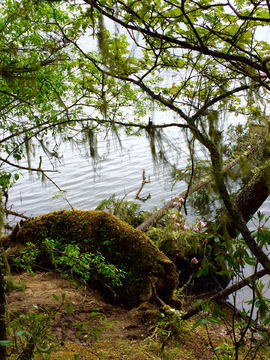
175 234
125 210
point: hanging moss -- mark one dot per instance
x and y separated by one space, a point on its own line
120 244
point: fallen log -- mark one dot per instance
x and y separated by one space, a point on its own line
195 187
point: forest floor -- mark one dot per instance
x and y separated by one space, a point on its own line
109 332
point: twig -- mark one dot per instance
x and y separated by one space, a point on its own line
26 167
10 212
144 181
60 190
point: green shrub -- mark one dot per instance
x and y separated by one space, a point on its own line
125 210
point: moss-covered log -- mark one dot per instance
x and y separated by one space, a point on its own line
120 244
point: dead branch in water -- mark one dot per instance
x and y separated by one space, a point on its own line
144 181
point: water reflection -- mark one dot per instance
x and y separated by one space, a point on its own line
86 184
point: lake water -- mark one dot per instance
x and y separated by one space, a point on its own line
119 171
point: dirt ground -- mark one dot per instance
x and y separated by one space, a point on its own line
109 332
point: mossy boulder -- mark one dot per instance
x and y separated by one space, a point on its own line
121 245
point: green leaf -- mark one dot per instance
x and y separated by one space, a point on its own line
213 320
224 272
69 307
23 333
5 342
266 321
205 269
217 312
55 297
205 321
258 303
260 215
197 323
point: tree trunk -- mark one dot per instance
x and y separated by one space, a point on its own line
233 212
252 197
3 333
254 193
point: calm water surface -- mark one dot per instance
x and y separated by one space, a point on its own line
86 184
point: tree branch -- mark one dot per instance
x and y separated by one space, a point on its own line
26 167
182 44
16 97
225 293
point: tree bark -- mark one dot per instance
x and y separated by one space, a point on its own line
3 333
233 211
252 196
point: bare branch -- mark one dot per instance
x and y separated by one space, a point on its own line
225 293
26 167
144 181
11 212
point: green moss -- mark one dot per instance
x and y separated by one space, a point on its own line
120 244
